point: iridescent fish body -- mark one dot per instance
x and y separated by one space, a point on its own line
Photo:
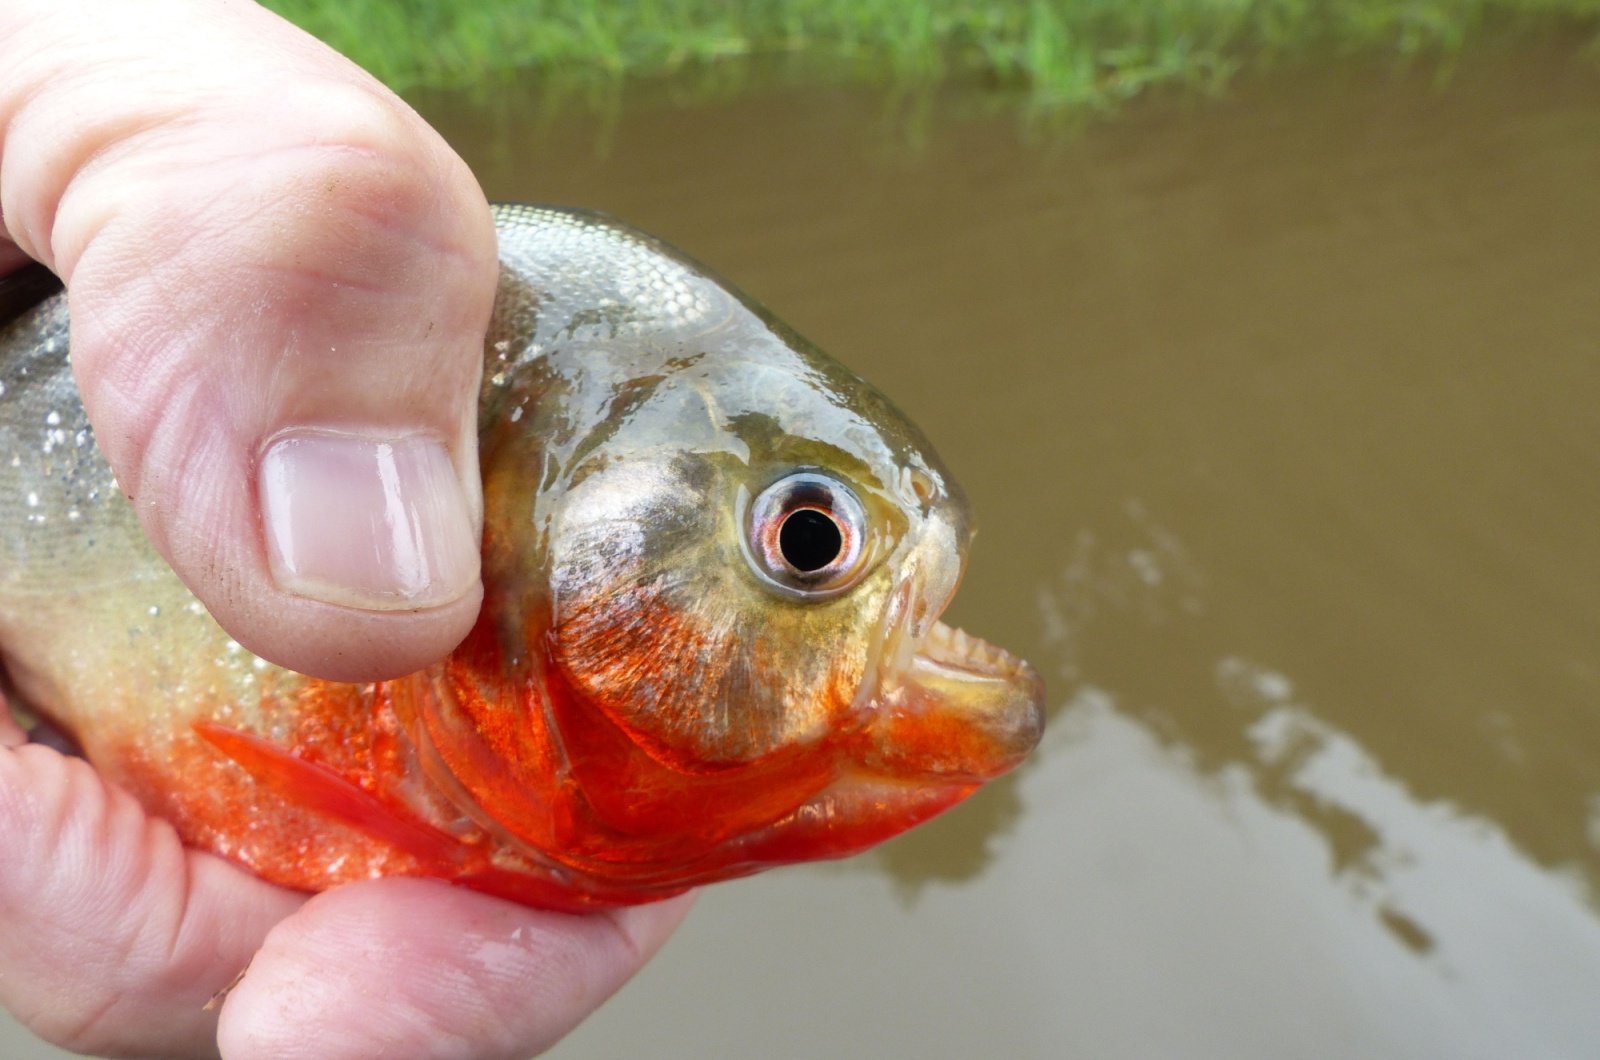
714 562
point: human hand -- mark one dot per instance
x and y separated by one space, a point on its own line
260 243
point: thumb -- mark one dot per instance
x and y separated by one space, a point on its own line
279 279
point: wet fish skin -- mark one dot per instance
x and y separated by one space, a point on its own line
649 700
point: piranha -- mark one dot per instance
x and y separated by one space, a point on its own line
714 563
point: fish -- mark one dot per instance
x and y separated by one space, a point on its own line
714 562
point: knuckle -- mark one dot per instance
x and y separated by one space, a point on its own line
362 152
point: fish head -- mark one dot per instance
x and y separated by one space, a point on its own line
748 556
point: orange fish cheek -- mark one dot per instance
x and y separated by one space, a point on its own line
703 686
634 793
678 733
633 656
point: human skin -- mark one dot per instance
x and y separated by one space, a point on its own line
260 242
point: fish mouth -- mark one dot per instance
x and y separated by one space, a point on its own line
973 709
945 704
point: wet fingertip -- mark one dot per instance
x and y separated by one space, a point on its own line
414 967
649 926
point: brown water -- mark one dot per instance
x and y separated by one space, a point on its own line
1281 418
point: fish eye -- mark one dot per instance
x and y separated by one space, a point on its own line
808 533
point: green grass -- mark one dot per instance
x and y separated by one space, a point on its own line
1063 51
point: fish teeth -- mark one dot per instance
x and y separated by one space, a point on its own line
958 647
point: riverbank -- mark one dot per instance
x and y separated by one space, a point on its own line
1062 52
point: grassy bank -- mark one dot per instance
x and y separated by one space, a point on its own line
1065 51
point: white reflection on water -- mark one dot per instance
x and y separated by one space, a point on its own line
1495 956
1503 929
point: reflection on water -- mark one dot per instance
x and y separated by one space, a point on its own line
1466 947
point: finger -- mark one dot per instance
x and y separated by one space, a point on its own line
112 936
11 734
279 279
418 968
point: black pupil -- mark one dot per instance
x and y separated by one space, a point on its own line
809 540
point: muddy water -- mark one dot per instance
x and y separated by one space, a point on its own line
1279 416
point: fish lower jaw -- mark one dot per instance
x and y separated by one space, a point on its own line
961 709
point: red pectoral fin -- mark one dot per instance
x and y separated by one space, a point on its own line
321 790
